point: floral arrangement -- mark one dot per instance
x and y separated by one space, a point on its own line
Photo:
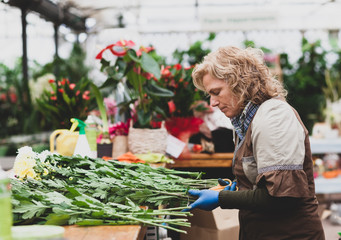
119 129
179 80
65 101
139 72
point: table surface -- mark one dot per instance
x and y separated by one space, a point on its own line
122 232
204 160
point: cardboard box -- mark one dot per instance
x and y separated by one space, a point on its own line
213 225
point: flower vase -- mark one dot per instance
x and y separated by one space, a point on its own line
104 150
120 146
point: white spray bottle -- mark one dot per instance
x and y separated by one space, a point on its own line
82 146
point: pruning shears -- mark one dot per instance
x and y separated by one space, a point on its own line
225 184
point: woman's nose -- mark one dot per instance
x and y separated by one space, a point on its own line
214 102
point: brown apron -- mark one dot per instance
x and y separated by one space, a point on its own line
301 223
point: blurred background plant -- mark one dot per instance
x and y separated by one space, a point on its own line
139 72
305 82
179 80
195 53
65 101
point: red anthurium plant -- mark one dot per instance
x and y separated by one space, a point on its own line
140 73
65 101
179 80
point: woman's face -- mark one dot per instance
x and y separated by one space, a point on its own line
221 96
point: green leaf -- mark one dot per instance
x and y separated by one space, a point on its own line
56 219
104 64
90 222
100 103
143 118
149 65
57 198
152 89
66 98
100 194
30 210
132 55
73 191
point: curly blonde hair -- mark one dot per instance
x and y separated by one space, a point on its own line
244 71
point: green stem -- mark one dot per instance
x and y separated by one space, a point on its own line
140 90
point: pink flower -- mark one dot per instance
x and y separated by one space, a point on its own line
111 106
72 86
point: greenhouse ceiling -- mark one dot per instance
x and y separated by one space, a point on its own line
207 15
201 15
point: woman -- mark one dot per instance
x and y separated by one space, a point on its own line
272 160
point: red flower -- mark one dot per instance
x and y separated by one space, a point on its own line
155 124
72 86
178 126
123 44
85 95
148 76
100 54
51 81
60 90
78 92
13 97
3 97
177 66
144 49
63 81
171 106
54 98
165 71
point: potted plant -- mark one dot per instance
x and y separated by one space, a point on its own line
104 143
139 72
181 122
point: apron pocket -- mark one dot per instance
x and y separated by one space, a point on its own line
250 168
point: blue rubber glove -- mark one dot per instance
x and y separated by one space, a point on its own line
232 187
208 200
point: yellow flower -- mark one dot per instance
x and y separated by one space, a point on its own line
24 163
45 172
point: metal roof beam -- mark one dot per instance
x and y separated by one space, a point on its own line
51 12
